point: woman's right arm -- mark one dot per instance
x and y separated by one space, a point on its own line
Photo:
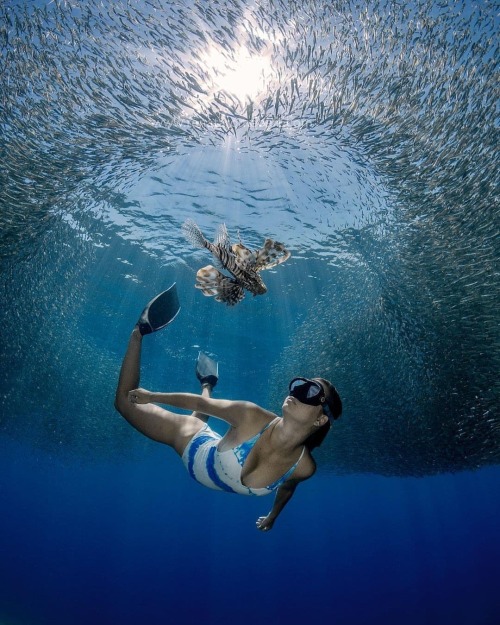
233 412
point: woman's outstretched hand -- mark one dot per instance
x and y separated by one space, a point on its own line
139 396
264 523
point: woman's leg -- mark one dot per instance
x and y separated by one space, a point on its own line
151 420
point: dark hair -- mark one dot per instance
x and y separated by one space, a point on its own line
317 437
335 404
332 397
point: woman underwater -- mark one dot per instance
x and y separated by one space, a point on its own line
261 453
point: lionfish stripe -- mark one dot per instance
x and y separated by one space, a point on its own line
228 260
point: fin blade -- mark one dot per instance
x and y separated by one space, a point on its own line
207 370
160 311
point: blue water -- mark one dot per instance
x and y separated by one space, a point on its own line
137 541
364 136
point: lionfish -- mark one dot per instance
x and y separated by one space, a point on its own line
242 263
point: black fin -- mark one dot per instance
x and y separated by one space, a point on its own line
160 311
207 370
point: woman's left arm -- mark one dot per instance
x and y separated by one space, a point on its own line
283 496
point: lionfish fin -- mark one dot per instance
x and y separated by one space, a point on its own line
193 233
213 283
244 257
272 254
222 237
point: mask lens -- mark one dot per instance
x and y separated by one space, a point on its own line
306 391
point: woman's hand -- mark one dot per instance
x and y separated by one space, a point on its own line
264 523
140 396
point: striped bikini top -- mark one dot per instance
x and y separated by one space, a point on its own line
229 464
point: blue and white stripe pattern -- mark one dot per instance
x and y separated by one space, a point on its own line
221 470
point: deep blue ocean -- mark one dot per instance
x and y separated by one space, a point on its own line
138 542
363 135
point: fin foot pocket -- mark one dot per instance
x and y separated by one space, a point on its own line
207 370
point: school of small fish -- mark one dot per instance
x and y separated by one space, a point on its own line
94 93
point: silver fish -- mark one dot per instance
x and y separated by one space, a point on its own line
244 265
